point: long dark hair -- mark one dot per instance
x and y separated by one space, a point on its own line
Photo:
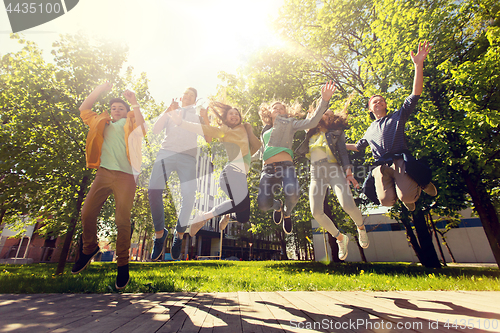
221 110
337 122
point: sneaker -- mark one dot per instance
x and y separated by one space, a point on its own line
364 242
224 222
83 260
122 278
430 189
159 246
287 225
409 206
195 227
343 247
175 251
277 215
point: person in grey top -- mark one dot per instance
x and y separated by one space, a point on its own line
177 153
278 169
385 136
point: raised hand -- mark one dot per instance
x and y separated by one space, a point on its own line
328 90
204 113
423 50
176 117
106 86
174 105
130 96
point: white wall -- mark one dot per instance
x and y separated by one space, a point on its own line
468 244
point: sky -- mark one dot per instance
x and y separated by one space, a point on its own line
178 43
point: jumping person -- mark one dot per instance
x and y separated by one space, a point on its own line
278 169
177 153
325 146
109 150
240 144
385 136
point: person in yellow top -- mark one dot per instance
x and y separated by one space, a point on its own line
240 143
113 148
325 146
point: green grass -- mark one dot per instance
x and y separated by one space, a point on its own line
230 276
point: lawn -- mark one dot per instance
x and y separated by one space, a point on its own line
230 276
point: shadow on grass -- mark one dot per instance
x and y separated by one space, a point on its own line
224 276
409 269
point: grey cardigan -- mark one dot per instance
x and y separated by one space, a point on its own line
336 143
285 128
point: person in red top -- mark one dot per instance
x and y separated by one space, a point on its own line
113 148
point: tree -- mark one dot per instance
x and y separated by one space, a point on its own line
367 44
42 135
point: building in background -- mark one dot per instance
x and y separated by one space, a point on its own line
388 242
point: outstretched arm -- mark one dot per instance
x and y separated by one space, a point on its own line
351 146
94 95
418 60
326 93
160 123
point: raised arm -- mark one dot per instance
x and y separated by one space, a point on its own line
418 60
94 95
327 92
206 121
130 96
160 123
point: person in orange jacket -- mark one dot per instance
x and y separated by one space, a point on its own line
113 148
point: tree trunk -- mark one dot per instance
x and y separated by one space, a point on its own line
486 210
334 247
361 250
411 238
72 225
2 214
447 246
144 244
280 234
428 256
431 222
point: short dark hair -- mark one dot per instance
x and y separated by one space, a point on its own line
368 105
194 91
119 100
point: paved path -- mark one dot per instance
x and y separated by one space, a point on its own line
266 312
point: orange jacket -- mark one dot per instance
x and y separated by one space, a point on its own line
95 138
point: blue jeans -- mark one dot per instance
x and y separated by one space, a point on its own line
185 165
275 176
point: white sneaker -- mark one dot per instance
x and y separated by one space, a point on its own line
198 223
343 247
430 189
410 206
364 242
224 222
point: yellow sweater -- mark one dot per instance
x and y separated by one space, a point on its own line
95 138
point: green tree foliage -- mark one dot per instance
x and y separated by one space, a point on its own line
42 156
364 46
